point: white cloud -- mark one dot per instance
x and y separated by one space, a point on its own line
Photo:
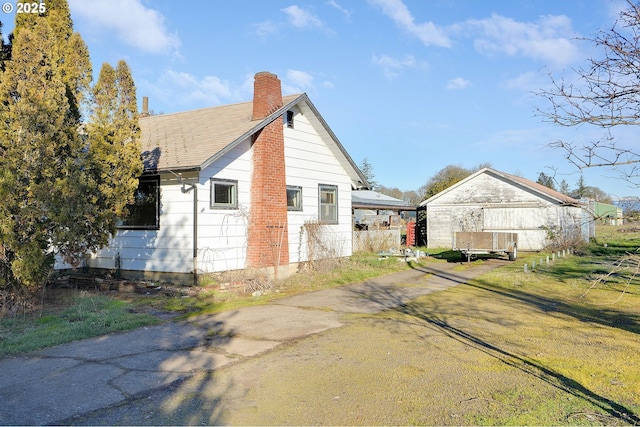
393 66
458 83
296 17
548 39
344 11
184 89
427 32
297 81
139 26
301 18
527 82
266 28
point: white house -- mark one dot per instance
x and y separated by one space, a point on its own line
232 187
490 200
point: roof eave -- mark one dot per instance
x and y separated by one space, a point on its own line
259 125
361 178
156 171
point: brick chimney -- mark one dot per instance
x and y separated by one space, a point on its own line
267 95
268 239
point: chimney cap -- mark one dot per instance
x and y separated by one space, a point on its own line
267 94
265 74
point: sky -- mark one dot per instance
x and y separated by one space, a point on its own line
411 85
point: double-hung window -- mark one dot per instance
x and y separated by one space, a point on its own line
328 203
144 212
224 194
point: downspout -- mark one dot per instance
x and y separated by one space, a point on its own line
186 188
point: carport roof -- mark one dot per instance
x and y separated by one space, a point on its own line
368 199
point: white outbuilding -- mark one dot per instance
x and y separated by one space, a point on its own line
494 201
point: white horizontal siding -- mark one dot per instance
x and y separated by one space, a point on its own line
167 249
309 162
486 188
222 233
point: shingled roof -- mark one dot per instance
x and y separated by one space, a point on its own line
191 140
563 198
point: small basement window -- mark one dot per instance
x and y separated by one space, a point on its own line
294 198
328 203
224 194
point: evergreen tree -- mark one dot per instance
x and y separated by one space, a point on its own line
114 151
546 180
367 170
442 180
62 182
564 187
581 189
37 153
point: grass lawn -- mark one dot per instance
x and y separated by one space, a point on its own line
69 314
571 327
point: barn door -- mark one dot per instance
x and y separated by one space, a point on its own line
421 226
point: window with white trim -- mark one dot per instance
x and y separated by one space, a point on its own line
224 193
328 203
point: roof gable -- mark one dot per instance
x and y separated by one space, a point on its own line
193 140
531 186
186 140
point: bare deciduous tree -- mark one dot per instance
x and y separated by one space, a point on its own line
606 94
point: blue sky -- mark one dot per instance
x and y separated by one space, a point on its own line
412 85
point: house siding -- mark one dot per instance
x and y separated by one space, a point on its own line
309 162
162 250
222 233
